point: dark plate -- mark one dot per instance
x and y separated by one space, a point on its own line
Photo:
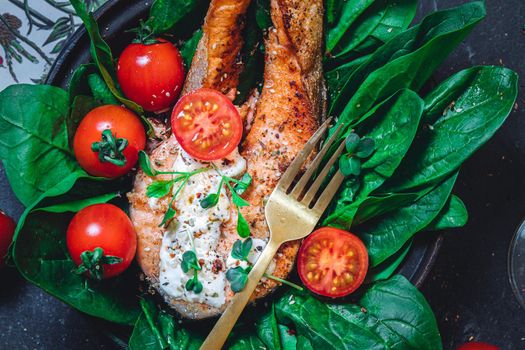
117 16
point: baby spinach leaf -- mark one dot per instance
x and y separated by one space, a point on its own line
406 61
165 14
78 205
40 255
81 106
387 268
348 14
391 314
392 125
378 205
262 14
380 22
103 58
187 50
453 215
247 342
77 84
461 115
157 330
337 77
100 90
385 235
34 139
268 330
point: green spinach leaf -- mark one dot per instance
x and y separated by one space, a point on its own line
385 235
165 14
406 61
461 115
103 58
453 215
34 139
187 51
40 255
392 125
388 267
391 314
381 21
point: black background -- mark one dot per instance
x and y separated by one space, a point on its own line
468 288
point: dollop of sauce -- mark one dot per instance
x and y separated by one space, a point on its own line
198 227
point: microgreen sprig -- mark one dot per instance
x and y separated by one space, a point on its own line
190 262
236 187
357 149
238 276
161 188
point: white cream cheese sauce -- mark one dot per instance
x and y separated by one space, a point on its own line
202 226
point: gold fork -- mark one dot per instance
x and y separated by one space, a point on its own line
290 216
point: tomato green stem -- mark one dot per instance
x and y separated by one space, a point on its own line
94 261
110 149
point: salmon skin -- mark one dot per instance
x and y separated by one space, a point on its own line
284 117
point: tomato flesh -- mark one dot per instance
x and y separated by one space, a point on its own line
7 229
477 346
151 75
103 226
123 124
206 124
332 262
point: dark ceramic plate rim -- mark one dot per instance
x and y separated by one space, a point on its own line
425 248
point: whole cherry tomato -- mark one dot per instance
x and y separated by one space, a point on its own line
151 75
101 240
108 140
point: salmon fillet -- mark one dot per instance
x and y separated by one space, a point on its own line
285 116
216 62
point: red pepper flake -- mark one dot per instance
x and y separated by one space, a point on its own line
217 266
363 310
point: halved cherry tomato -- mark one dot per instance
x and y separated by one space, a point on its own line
206 124
151 75
477 346
332 262
106 228
108 140
7 229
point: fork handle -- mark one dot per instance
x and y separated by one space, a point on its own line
224 325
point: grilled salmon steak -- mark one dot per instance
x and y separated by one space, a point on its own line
286 115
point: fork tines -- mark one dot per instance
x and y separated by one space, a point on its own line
305 185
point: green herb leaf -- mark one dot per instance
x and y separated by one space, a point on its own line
194 285
243 229
211 200
187 50
237 277
351 142
237 200
170 214
350 166
243 184
159 189
189 261
145 164
165 14
100 90
365 148
241 249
